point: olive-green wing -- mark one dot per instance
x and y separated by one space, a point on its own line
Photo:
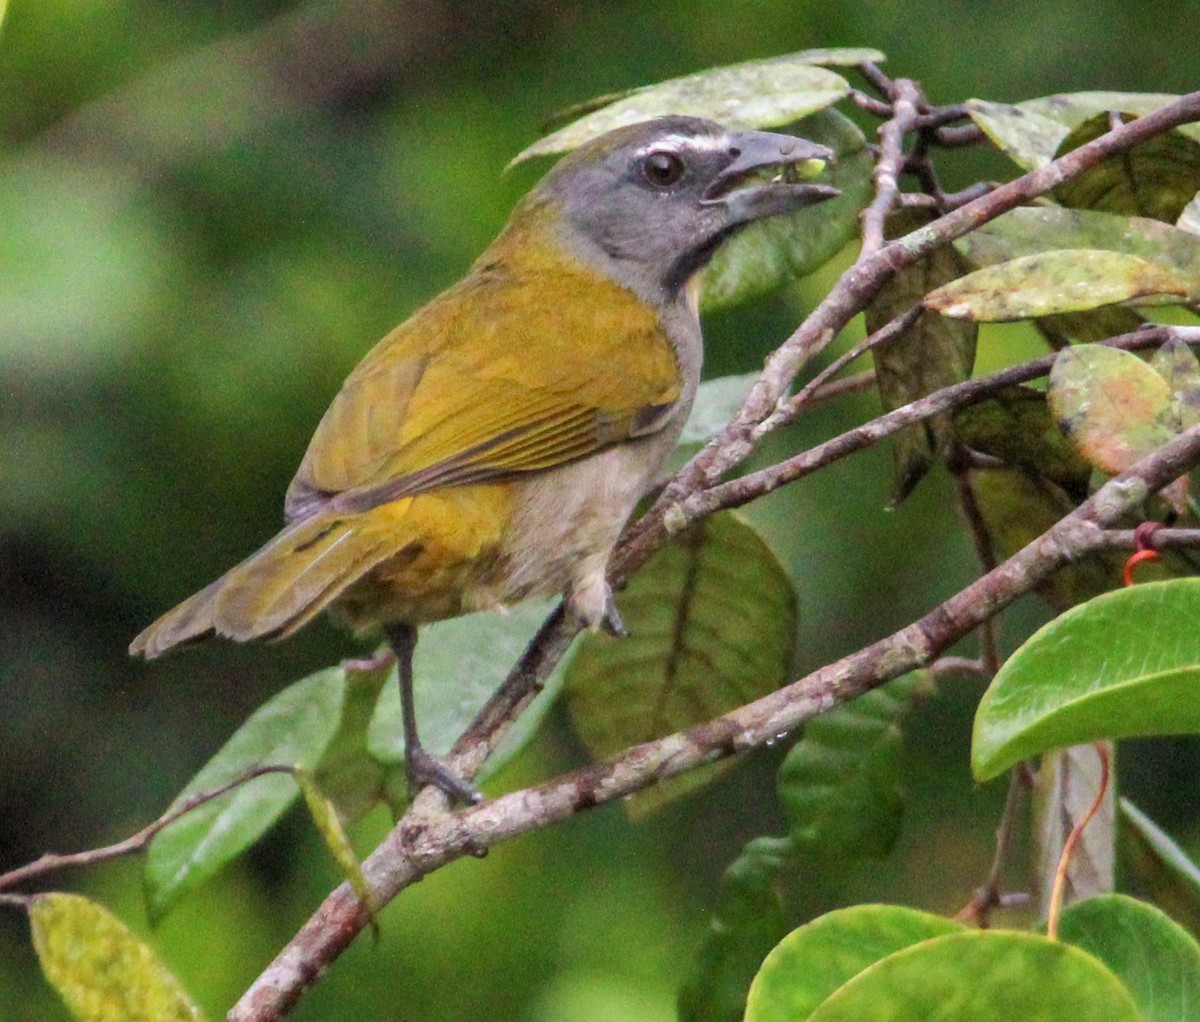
490 380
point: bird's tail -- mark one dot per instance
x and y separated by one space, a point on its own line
284 584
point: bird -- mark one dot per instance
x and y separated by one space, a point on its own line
491 448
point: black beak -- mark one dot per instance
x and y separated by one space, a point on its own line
747 195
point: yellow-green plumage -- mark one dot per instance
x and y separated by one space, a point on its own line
403 500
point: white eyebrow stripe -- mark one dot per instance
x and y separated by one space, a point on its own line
676 143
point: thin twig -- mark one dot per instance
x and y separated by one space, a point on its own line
753 485
981 539
990 895
896 325
905 97
53 861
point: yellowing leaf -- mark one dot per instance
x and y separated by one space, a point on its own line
99 968
1114 407
329 825
1065 280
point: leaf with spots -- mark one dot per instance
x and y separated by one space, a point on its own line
1155 179
1176 363
712 622
1065 280
1031 230
934 352
1115 408
756 94
1016 427
1030 133
102 970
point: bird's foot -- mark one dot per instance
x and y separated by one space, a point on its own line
383 657
611 621
424 770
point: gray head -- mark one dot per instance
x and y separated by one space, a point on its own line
657 198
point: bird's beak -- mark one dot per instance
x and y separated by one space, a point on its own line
749 192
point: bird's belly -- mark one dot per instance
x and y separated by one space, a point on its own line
565 524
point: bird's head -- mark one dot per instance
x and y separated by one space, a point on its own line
656 199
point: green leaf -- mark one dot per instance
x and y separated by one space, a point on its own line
1189 219
747 922
1176 363
328 822
1072 108
1016 427
758 94
100 969
458 665
933 353
1067 280
1029 139
771 252
840 784
1018 506
717 401
1122 665
982 976
1156 178
1030 133
812 962
1030 230
1114 407
1154 957
712 622
293 729
1165 870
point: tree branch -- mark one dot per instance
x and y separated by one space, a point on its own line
417 846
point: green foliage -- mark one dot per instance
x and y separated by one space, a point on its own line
199 309
1154 957
932 353
747 921
758 93
99 968
293 729
772 253
985 976
840 784
457 666
815 961
1051 283
1121 665
1162 868
712 622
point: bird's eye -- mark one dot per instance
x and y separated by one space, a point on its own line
662 168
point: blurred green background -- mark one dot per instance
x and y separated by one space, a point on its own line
208 212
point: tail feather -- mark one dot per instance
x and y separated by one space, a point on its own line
284 584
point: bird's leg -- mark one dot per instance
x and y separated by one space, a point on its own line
422 768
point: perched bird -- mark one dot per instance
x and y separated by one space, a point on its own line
491 447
